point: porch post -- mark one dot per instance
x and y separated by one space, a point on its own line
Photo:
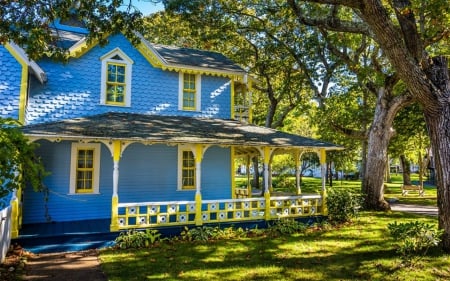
247 169
266 181
14 215
297 156
115 197
198 194
323 166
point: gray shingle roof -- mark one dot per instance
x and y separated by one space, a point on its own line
170 129
196 58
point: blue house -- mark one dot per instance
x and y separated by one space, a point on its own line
144 136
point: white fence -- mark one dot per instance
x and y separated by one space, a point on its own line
5 227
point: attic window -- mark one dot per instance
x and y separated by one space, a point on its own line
116 78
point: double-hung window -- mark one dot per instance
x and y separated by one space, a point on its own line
186 170
189 93
84 170
116 78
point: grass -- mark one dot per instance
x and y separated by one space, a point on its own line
393 190
362 250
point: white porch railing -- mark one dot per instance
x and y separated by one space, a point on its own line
158 214
5 229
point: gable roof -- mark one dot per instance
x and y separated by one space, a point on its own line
170 129
173 58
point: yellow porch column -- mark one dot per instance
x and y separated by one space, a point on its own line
323 165
117 148
266 160
297 156
14 215
198 194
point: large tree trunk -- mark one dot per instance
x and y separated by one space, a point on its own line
406 170
380 134
438 123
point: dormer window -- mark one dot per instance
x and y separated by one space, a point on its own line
189 92
116 78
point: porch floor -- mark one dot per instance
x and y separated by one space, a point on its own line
66 236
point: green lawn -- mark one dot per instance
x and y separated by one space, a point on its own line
362 250
359 251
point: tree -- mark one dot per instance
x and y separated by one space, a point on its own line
410 53
18 163
30 24
410 35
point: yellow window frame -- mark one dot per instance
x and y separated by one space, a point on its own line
116 84
188 170
85 166
189 91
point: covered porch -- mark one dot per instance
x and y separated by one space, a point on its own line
117 131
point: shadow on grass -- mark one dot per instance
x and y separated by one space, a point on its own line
362 250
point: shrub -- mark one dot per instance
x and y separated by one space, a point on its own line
287 226
343 205
138 239
414 238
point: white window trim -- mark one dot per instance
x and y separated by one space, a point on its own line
182 148
108 57
73 167
198 95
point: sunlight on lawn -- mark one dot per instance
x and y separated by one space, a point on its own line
362 250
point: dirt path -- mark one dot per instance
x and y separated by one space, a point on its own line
75 266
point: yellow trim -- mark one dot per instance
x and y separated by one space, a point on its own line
198 209
232 100
117 148
149 55
23 82
323 156
83 48
114 214
153 59
250 102
233 178
198 153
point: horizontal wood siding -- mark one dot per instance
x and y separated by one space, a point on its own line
216 175
61 205
148 173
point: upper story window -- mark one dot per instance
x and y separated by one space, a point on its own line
189 92
116 78
85 168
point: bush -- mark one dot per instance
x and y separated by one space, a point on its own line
414 238
287 226
138 239
343 205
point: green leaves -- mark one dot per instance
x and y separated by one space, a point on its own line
30 24
18 163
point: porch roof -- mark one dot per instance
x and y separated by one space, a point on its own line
170 129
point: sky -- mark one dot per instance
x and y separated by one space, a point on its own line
148 7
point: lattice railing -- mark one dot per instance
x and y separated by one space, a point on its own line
158 214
